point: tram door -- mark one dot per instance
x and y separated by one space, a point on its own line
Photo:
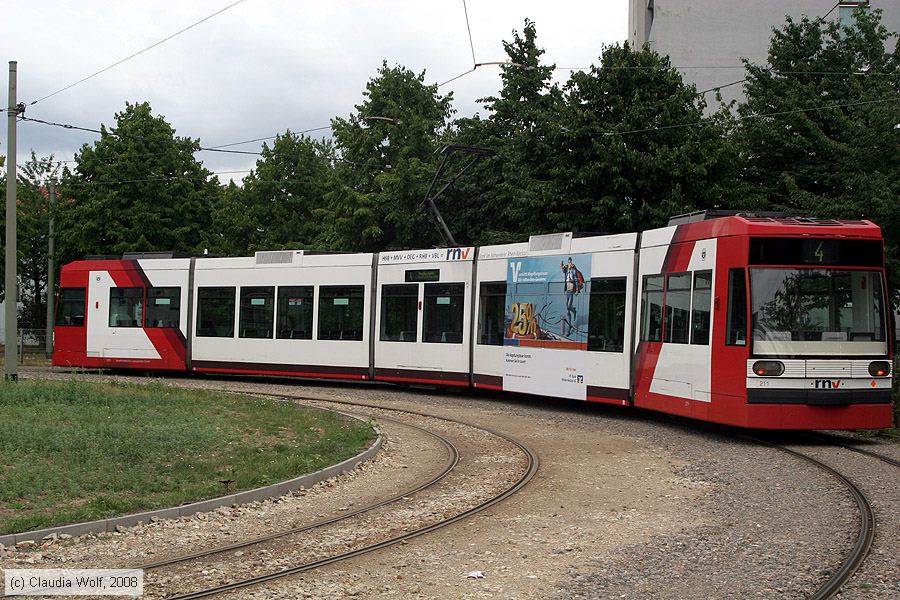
422 316
673 370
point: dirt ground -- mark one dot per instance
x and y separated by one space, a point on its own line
593 493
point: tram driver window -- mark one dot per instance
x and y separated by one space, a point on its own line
257 312
70 309
215 312
341 312
737 308
163 307
651 309
606 321
126 307
491 313
443 313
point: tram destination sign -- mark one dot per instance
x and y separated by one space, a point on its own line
419 275
816 251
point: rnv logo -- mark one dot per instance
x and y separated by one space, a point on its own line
458 253
828 384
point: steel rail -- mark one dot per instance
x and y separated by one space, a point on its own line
866 525
533 463
838 440
452 461
886 459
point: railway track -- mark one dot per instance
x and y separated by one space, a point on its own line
531 467
846 443
865 536
453 460
851 563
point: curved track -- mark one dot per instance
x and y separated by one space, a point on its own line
855 558
532 464
846 443
449 466
864 538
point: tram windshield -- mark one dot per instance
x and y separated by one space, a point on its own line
819 312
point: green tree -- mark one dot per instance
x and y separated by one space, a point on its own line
275 206
819 123
231 229
138 188
634 147
32 228
385 162
505 197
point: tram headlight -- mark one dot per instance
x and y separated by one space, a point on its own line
879 368
768 368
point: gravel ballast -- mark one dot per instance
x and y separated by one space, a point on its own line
627 504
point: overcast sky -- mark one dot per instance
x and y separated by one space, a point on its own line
264 66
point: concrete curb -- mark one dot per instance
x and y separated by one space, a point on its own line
270 491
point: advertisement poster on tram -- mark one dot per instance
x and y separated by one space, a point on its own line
546 324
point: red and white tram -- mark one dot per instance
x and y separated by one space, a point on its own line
760 322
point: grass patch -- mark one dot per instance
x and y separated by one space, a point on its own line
76 451
30 359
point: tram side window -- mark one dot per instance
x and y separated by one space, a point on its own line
215 312
491 313
700 311
341 312
443 313
737 308
606 320
677 312
126 307
651 309
257 312
295 312
70 308
399 313
163 307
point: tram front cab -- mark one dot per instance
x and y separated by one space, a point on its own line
818 353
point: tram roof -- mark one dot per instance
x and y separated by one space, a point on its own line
708 224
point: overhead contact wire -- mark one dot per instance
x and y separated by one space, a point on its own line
138 53
469 29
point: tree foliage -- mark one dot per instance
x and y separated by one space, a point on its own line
619 147
276 205
386 159
636 147
839 156
33 224
509 193
138 188
32 229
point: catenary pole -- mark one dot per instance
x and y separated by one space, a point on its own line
51 294
12 291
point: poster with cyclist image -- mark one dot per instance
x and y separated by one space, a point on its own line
547 301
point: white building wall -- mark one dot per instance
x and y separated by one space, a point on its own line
719 33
